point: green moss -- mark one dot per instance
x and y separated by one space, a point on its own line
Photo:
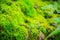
17 16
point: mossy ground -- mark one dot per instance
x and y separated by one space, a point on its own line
25 19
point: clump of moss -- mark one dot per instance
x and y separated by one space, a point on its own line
18 16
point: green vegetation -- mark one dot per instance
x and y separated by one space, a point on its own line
29 19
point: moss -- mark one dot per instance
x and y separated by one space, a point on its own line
17 16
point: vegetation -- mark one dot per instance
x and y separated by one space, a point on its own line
29 20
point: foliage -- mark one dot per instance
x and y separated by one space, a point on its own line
17 17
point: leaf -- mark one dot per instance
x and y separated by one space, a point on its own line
56 20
